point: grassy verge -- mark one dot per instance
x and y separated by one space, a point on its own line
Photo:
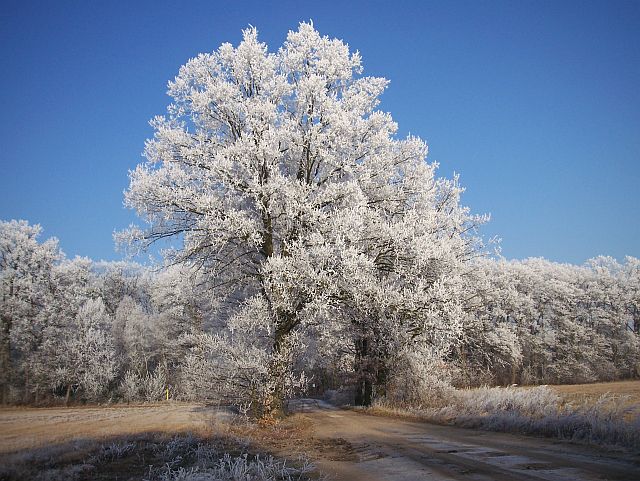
609 420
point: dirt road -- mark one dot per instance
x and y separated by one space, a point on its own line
344 444
396 450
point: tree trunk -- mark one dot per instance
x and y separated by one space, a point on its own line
26 396
364 392
364 385
273 405
6 367
68 395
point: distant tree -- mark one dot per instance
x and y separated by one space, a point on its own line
631 283
134 335
119 279
25 279
86 357
73 282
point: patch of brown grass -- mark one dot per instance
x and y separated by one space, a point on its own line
24 428
293 437
594 391
581 394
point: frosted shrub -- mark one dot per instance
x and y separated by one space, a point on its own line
610 420
176 450
606 371
148 388
571 372
153 385
242 468
237 371
110 452
540 411
130 386
419 380
534 402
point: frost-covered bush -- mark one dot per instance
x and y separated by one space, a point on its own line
130 386
154 385
540 411
240 468
236 370
115 450
610 420
150 387
420 379
534 402
186 459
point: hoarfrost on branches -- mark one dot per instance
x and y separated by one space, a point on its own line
288 187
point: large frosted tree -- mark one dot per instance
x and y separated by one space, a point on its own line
290 193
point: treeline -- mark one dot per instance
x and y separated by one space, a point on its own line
541 322
75 329
93 331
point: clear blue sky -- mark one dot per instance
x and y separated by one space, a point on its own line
535 103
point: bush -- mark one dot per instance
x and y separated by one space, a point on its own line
153 386
422 380
148 388
130 386
540 411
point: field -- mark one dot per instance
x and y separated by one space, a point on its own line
155 442
591 392
25 428
159 442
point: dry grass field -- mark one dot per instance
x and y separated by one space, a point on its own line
591 392
153 442
26 428
625 393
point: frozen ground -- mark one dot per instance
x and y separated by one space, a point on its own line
344 444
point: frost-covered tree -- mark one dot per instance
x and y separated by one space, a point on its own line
117 280
25 279
73 282
135 337
631 283
86 356
289 190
